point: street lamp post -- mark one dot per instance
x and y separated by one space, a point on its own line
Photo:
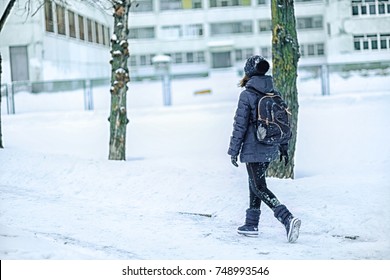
162 67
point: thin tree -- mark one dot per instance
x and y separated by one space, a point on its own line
285 56
3 18
119 69
119 79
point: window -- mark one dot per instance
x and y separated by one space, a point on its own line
371 42
193 31
133 60
75 26
141 33
200 57
97 33
60 20
243 54
49 18
320 49
265 52
106 36
170 5
381 8
171 32
228 3
309 22
221 60
356 43
146 59
186 57
365 45
261 2
231 28
89 30
81 28
72 24
265 25
239 55
385 41
364 10
178 31
194 57
141 60
177 57
197 4
355 10
190 57
312 49
370 7
143 6
180 4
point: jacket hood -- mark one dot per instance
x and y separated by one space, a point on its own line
263 84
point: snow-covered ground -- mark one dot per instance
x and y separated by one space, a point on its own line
61 198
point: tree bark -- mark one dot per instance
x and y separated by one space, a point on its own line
285 56
6 13
119 79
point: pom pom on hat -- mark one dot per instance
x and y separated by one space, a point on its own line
256 65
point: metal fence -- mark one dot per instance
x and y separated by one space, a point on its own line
8 91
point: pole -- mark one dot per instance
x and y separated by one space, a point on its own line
1 136
88 99
167 89
325 79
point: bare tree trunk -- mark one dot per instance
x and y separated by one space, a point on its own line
285 56
3 19
6 13
119 79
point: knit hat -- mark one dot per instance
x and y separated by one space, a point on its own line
256 65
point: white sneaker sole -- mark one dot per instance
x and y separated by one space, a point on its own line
293 234
248 233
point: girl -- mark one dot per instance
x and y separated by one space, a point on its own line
255 155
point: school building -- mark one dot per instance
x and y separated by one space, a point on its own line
200 36
48 40
203 36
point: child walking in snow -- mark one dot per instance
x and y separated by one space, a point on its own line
255 155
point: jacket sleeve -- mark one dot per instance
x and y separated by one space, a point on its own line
240 125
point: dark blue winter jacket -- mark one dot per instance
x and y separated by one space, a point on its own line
243 141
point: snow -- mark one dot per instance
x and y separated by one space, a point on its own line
61 198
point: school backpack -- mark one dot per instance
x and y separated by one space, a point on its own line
273 120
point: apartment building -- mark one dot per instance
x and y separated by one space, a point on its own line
49 40
202 36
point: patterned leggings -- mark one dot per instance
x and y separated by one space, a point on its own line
258 190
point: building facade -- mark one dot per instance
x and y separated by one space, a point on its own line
47 40
202 36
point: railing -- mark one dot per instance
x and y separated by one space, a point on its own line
8 91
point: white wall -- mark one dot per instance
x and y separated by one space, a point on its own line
52 56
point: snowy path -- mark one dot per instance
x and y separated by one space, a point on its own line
62 199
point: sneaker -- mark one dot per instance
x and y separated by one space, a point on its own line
248 230
292 228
